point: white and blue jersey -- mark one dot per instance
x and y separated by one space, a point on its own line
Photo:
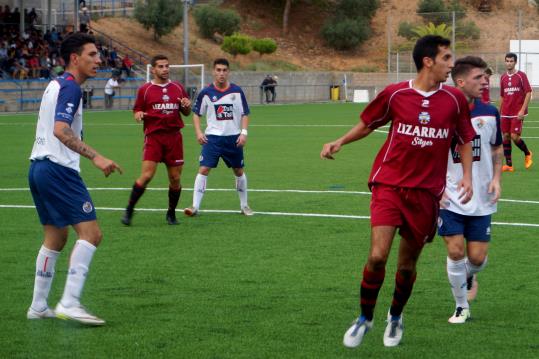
223 109
61 102
485 119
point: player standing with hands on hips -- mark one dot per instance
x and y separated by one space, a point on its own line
408 175
227 116
60 195
160 104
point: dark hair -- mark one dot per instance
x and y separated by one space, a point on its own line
221 61
73 44
428 46
156 58
488 71
465 64
511 55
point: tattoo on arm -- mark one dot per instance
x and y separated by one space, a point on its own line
497 158
71 141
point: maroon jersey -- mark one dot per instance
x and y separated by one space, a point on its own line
422 127
485 92
161 103
513 89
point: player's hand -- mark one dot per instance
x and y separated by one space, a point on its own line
329 149
444 201
185 102
520 115
241 141
106 166
139 116
465 190
201 138
495 190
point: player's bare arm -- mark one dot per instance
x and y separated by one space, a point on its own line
356 133
65 134
522 111
495 188
242 138
185 106
201 137
465 184
139 116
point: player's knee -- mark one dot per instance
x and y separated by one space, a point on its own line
94 237
204 171
406 273
515 137
377 262
478 260
455 252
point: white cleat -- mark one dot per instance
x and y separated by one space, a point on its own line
394 331
354 335
247 211
460 316
472 286
44 314
190 211
77 313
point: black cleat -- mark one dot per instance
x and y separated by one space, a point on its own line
171 218
128 215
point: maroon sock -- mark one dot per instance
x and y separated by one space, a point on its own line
173 198
507 152
370 286
522 145
404 283
136 193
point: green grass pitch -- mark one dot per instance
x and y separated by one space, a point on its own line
276 285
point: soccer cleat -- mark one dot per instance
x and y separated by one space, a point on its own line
127 217
171 218
44 314
247 211
506 168
472 285
528 162
190 211
77 313
460 316
394 331
354 335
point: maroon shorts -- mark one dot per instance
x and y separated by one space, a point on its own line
164 147
511 125
413 211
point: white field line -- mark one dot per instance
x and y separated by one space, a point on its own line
285 214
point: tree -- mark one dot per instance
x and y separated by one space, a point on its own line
160 15
264 46
237 44
286 14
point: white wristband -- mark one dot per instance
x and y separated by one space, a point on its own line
243 131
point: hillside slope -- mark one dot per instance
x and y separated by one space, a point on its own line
303 48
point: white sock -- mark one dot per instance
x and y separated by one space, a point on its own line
241 188
472 269
81 256
200 188
45 262
456 273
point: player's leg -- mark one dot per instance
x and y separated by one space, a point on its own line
516 131
53 243
174 192
373 278
241 189
232 155
478 238
147 173
506 135
69 307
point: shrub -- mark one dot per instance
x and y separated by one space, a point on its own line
406 30
468 30
431 29
162 16
344 34
237 44
352 9
211 20
433 11
264 46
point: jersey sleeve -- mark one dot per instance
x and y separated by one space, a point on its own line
464 131
139 102
377 112
68 102
496 139
501 85
245 107
200 104
526 84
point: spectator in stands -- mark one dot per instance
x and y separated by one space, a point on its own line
84 19
113 56
127 65
32 17
110 91
33 66
268 87
87 93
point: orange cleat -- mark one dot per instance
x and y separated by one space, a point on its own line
528 162
506 168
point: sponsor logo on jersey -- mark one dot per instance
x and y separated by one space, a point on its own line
224 112
422 131
424 118
166 106
511 90
87 207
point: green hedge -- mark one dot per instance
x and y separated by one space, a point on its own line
211 20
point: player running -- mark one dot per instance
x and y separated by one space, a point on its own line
408 175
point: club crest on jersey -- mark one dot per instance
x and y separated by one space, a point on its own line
424 118
214 98
87 207
224 112
480 123
425 103
69 108
165 98
165 90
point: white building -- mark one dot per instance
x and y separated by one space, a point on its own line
528 58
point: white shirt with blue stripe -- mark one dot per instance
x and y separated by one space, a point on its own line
61 102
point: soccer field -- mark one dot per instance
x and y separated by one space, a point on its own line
281 284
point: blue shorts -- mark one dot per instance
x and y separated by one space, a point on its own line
60 196
474 228
221 147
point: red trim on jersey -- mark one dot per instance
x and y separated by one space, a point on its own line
218 89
